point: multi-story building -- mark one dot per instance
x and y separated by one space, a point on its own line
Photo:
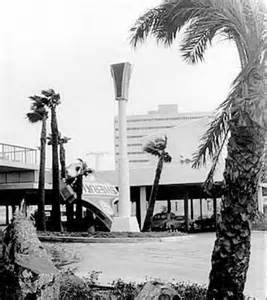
141 126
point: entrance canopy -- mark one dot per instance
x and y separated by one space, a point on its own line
99 196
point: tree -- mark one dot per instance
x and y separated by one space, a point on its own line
39 114
53 100
239 120
157 148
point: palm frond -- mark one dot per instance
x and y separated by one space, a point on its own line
34 117
48 93
53 98
167 158
211 141
156 146
38 101
209 180
164 21
197 37
151 149
239 20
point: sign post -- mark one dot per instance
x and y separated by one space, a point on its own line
124 222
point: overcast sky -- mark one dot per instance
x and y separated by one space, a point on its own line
69 45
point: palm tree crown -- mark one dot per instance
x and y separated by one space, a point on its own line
157 148
38 110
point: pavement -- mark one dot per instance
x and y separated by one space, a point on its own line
186 258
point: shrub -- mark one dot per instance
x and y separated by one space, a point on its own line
73 287
124 290
190 291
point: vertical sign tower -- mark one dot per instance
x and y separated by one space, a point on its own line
124 222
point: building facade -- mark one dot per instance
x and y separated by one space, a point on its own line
141 126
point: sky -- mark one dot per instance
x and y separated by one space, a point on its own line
69 45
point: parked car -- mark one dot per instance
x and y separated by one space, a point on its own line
205 224
167 221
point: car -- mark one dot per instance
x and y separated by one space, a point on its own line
206 223
166 221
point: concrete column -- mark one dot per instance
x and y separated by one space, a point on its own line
124 222
186 213
7 215
169 207
201 211
192 208
215 209
260 199
143 205
124 186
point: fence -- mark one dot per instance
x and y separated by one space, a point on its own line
18 154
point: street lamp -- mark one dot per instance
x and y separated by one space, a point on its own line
124 222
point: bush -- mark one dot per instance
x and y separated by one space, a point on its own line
125 290
73 287
190 291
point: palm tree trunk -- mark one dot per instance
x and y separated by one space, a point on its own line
153 195
55 169
79 189
62 158
41 225
231 253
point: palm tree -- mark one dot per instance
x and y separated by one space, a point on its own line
39 114
53 100
157 148
239 120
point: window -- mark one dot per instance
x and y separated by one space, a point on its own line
131 136
138 160
146 127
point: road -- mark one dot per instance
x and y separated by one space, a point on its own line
186 259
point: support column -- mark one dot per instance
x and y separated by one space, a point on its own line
7 215
192 208
186 212
215 209
201 210
169 208
143 205
260 199
124 186
124 222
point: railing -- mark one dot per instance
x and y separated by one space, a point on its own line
18 154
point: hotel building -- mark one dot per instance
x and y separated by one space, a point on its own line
154 122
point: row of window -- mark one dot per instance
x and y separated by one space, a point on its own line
132 152
131 145
131 136
145 127
166 119
138 160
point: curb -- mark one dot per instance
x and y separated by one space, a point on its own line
64 239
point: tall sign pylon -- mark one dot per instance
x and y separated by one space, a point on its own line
124 222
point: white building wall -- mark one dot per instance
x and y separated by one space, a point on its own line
141 126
